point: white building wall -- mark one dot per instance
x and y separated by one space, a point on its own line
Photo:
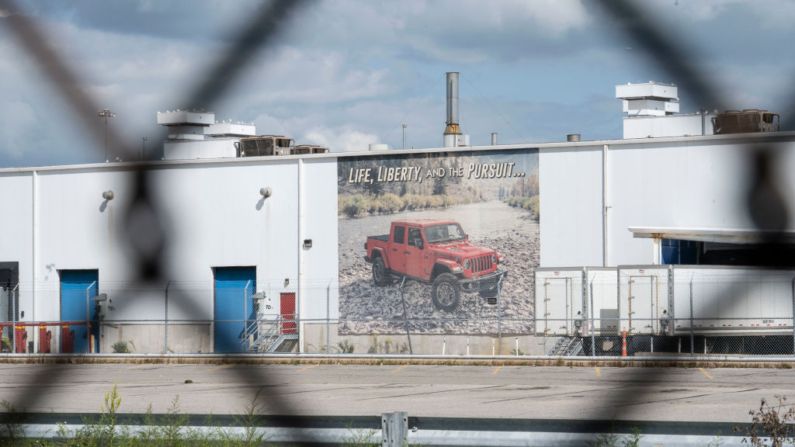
321 262
688 183
217 217
16 232
570 185
666 126
194 150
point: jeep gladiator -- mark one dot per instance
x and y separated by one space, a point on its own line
435 252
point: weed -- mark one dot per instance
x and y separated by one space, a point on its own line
771 424
360 438
717 441
345 347
633 440
120 347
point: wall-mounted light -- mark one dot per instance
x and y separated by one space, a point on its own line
266 192
307 243
108 195
286 282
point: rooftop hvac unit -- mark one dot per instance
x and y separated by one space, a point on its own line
265 145
747 121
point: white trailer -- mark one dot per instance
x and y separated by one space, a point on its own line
559 301
732 301
643 298
602 301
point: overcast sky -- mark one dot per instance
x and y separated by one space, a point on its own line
349 73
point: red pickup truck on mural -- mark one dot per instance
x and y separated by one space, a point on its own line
437 252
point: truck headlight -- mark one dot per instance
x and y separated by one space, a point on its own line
466 264
493 258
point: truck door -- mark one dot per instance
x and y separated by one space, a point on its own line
397 246
416 262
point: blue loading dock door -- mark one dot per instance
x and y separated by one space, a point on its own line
74 306
234 308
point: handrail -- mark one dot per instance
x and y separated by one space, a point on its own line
43 323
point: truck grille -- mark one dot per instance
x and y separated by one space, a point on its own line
480 264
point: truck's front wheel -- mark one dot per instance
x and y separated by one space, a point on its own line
380 276
446 294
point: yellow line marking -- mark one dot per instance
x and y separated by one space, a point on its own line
308 367
598 374
220 367
496 370
400 368
705 373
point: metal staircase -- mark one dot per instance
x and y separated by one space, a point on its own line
566 347
265 336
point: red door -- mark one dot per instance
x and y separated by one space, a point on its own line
287 304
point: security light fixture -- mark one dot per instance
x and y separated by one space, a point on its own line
307 243
108 195
266 192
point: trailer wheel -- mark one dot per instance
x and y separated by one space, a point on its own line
380 276
446 294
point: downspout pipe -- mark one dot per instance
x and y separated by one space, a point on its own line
605 208
300 286
34 242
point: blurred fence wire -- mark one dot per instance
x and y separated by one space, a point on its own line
766 205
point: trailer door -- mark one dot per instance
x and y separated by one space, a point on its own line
641 303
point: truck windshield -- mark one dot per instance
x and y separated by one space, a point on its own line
443 233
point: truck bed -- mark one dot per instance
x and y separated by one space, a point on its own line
382 237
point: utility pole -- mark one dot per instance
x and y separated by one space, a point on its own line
105 113
143 152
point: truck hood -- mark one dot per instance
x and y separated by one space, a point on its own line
463 250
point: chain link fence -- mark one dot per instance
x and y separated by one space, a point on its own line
626 311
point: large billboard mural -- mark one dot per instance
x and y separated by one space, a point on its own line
456 226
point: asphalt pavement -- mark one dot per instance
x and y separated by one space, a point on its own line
527 392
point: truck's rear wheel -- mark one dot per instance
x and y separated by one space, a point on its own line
380 276
446 294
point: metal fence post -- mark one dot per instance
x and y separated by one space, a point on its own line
394 429
793 316
499 313
692 328
165 324
593 328
406 315
328 319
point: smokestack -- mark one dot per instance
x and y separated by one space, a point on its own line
452 105
453 136
494 138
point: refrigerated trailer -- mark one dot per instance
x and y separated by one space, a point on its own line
559 304
659 300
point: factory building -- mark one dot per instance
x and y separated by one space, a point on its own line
257 225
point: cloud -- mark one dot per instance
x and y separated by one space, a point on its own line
349 73
340 140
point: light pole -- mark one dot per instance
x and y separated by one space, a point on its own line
106 114
143 153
